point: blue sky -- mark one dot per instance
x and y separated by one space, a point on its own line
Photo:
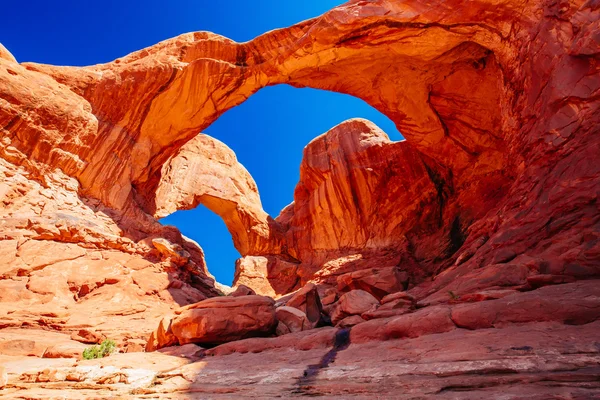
267 132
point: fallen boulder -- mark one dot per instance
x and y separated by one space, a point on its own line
355 302
242 290
308 301
291 320
377 281
218 320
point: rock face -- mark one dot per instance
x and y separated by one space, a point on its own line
378 282
66 263
268 276
217 320
490 206
205 171
291 320
475 123
354 194
242 290
308 301
355 302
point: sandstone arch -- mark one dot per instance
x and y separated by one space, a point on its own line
500 102
463 82
196 77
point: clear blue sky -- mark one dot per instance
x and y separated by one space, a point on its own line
267 132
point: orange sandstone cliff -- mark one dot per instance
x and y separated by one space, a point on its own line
462 262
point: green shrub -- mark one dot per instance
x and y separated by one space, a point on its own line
105 349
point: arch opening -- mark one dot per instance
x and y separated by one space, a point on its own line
267 136
445 93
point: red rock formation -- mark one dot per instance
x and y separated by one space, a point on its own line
66 263
205 171
308 301
494 193
460 115
355 302
420 354
267 275
291 320
215 321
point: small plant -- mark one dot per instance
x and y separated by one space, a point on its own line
104 350
453 295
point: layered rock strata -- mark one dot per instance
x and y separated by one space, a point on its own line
487 214
446 352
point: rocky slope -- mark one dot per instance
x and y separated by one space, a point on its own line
461 262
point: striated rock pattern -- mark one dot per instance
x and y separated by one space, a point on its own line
425 354
488 211
355 302
205 171
65 264
215 321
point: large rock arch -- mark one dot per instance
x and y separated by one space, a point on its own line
463 82
151 102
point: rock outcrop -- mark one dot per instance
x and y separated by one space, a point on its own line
424 354
291 320
205 171
216 321
65 264
355 302
308 301
486 216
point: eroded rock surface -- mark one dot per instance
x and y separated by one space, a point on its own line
215 321
488 209
355 302
434 352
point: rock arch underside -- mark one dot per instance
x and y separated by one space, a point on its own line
460 263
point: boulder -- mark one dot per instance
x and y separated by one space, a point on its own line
355 302
87 336
308 301
397 296
224 319
329 298
163 336
65 350
267 275
291 320
391 306
349 322
242 290
377 281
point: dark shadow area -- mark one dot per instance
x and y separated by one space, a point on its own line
304 383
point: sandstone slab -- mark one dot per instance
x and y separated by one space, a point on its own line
291 320
355 302
308 301
379 282
224 319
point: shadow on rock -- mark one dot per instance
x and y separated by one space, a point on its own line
304 384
